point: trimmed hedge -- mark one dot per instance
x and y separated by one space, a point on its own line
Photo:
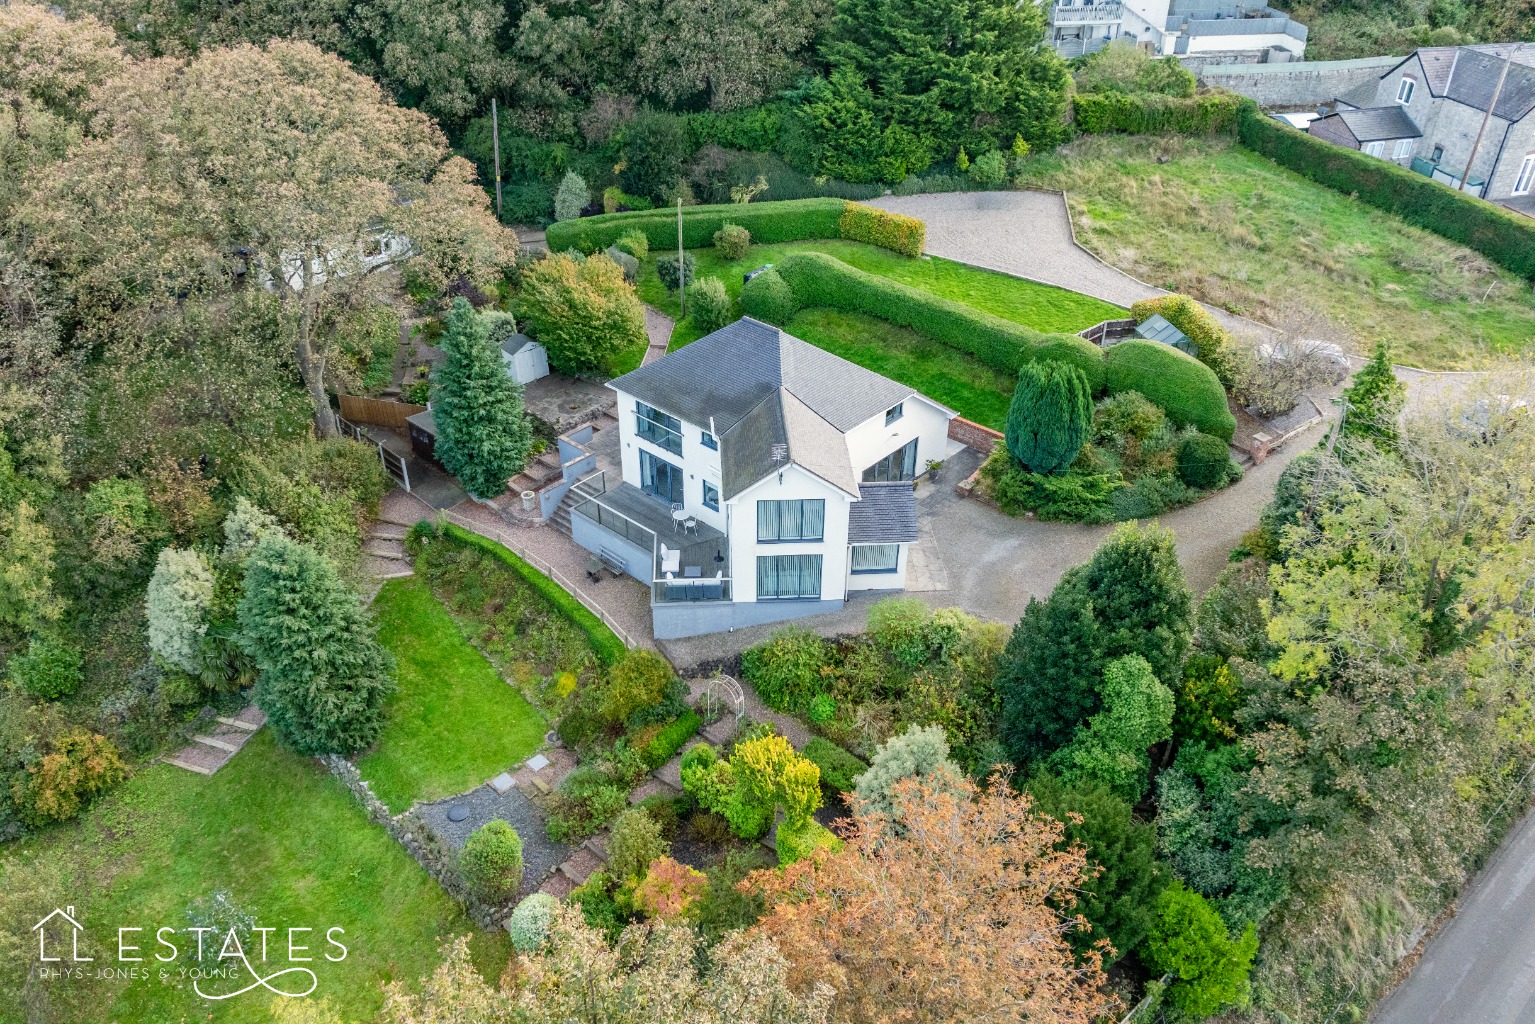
790 220
1186 389
1142 113
1503 237
670 739
820 280
1195 321
767 298
604 641
839 769
894 231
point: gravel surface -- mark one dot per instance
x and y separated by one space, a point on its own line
540 854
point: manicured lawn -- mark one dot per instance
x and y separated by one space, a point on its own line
975 391
1229 227
453 722
1034 305
289 844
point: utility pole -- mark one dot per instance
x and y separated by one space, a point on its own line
682 269
1496 93
495 143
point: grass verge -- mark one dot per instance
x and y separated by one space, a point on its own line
452 722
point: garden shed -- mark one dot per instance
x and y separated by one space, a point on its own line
422 428
1156 328
526 360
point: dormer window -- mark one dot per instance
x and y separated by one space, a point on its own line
894 413
1404 90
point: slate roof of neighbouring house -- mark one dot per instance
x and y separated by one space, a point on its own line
1378 124
1469 74
886 514
772 399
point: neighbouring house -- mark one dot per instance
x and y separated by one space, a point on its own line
763 479
526 360
1429 109
1197 31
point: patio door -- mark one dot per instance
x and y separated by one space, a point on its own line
660 478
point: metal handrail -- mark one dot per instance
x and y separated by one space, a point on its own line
545 567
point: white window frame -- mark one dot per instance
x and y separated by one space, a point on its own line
1375 149
1405 88
1403 149
1524 181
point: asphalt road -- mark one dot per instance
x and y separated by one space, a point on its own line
1480 968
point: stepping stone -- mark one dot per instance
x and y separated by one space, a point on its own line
502 783
580 866
538 762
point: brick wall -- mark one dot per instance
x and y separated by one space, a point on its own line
973 435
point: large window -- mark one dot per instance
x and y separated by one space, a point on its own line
1403 149
658 428
1404 90
1526 178
871 558
1374 148
784 577
782 521
660 478
900 464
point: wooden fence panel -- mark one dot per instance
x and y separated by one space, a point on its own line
378 411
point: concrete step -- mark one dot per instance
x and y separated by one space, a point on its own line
557 885
199 758
388 531
250 719
224 737
377 568
384 547
597 844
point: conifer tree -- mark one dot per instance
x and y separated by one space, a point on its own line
1051 413
1375 399
323 676
482 430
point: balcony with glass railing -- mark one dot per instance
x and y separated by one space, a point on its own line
659 429
687 563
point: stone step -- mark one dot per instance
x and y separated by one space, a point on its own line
388 531
580 866
250 719
597 844
652 787
384 568
557 885
224 737
199 758
384 547
720 731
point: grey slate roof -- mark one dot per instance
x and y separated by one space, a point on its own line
763 388
1378 124
516 343
887 514
1474 79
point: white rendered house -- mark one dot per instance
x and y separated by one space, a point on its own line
763 479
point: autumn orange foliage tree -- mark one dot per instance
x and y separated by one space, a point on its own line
954 916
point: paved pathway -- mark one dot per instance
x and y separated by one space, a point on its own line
659 327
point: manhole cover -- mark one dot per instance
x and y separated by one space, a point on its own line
458 812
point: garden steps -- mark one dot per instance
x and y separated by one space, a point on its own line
388 531
384 547
581 865
211 750
557 885
653 787
597 844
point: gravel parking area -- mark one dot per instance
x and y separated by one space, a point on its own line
540 854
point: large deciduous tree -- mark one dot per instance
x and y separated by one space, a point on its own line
483 436
439 55
323 675
584 312
277 160
960 914
1050 415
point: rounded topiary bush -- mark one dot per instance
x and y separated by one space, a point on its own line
1186 389
732 241
529 923
709 304
768 297
1202 461
491 862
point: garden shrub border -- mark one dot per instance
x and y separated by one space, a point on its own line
1186 389
789 220
1502 236
608 647
1210 113
894 231
670 739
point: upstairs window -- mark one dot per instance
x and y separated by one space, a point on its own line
1404 90
1526 178
711 496
709 441
894 413
784 521
658 428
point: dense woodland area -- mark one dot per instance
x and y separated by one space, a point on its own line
1341 29
1242 800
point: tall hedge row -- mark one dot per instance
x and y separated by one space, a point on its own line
1100 113
894 231
820 280
1186 389
1503 237
789 220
